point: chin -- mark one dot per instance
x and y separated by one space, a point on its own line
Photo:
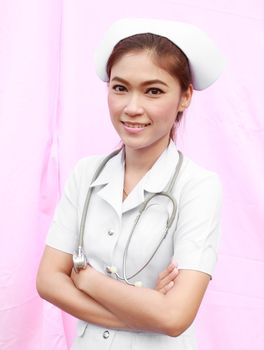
141 143
133 144
137 146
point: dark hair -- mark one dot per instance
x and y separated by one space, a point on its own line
165 54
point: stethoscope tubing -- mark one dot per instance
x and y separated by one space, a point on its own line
89 195
79 258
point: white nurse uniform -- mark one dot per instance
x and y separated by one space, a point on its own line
191 241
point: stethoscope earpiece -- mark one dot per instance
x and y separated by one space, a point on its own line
113 270
138 284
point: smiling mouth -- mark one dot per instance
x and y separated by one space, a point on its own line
135 125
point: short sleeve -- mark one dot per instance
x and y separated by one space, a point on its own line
198 227
64 226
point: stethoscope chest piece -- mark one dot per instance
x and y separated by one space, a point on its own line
79 260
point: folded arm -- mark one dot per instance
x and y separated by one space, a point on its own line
55 285
146 309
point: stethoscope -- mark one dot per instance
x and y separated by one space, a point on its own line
79 256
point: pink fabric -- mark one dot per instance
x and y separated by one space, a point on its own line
53 111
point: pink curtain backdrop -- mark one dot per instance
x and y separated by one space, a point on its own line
53 111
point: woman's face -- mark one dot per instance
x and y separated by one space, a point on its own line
144 100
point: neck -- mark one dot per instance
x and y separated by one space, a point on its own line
141 160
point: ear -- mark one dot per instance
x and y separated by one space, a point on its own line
186 98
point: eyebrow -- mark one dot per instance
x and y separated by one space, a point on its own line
145 83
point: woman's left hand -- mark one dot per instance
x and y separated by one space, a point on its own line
167 278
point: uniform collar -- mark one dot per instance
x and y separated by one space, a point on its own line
154 181
111 180
112 168
157 178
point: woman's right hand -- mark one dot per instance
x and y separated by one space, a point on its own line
166 279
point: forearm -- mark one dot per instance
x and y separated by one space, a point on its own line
140 308
59 290
147 309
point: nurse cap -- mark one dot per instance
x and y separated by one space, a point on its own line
205 60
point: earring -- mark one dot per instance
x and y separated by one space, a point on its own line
183 106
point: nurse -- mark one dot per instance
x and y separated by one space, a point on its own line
151 68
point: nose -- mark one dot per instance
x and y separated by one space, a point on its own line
133 106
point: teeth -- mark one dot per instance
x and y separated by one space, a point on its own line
139 126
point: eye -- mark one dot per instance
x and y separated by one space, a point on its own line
119 88
154 91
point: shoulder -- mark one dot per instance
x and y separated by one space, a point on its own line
192 175
194 172
197 179
83 171
87 165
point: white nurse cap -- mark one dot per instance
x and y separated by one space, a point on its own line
205 60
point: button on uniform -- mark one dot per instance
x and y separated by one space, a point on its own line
110 232
106 334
